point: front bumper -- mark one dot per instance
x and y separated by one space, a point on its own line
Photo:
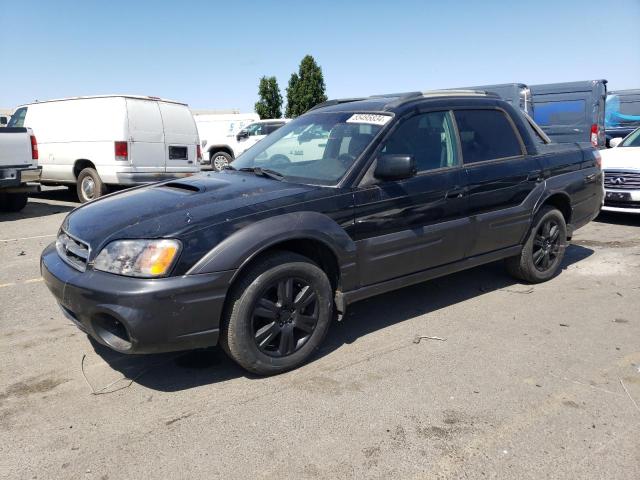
16 176
134 315
627 201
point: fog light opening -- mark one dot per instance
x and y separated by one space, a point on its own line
112 332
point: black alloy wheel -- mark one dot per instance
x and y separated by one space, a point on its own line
546 245
277 313
285 316
543 250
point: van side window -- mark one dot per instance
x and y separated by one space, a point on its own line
486 135
428 137
562 112
17 119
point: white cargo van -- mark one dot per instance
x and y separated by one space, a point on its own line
218 136
94 142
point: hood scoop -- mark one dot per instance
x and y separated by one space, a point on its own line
181 186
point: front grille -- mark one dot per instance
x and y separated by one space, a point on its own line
621 180
73 251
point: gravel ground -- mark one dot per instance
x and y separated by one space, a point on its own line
531 381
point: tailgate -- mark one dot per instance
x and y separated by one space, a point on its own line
15 147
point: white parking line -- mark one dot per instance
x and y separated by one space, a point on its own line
26 238
14 284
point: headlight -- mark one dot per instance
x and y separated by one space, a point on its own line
138 258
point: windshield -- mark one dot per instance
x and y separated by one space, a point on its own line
633 140
317 148
622 111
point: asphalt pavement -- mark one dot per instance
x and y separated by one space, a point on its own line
526 382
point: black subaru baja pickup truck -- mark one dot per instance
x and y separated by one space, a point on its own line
355 198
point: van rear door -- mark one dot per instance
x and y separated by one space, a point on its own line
563 116
572 111
181 138
146 136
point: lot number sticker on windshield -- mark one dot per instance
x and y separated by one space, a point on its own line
369 118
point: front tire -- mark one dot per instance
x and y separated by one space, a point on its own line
13 202
277 315
89 185
544 249
219 160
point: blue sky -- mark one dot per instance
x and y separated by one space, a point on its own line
211 54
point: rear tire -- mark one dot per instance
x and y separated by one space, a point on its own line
277 314
13 202
219 160
543 250
89 185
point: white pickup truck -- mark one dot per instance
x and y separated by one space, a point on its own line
18 167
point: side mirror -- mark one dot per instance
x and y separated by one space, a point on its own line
614 142
395 167
242 134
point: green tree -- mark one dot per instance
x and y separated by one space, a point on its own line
270 103
292 96
306 88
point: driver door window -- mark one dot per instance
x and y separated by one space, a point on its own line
256 129
429 137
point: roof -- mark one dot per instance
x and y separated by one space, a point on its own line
223 111
497 85
390 101
272 120
138 97
633 91
584 85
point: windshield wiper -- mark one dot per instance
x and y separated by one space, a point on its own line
264 172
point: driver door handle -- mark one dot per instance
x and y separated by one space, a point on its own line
456 192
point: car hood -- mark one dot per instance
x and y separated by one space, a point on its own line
173 208
621 158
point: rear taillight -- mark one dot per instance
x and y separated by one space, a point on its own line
198 152
122 150
34 148
594 134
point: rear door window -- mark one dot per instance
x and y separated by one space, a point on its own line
563 112
17 119
486 135
272 127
